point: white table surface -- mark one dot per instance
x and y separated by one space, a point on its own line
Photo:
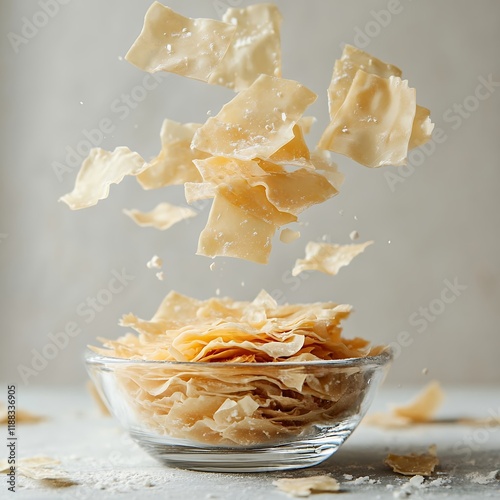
108 464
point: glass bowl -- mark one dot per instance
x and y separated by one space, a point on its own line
239 417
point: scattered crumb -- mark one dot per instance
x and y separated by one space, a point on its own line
477 478
155 262
440 481
425 371
242 283
413 485
217 291
416 480
362 480
348 477
212 266
354 235
160 275
304 486
414 464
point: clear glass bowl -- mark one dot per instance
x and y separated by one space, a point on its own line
239 417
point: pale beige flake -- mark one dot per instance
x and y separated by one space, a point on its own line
162 217
256 122
419 411
99 170
232 232
423 408
374 124
255 48
174 164
345 70
304 486
327 258
353 235
177 44
343 74
289 235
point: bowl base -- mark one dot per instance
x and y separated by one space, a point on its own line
296 455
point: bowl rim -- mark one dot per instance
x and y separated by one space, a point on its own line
381 359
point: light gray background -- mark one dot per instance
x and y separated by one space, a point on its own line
441 223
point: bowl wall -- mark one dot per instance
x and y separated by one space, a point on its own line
239 417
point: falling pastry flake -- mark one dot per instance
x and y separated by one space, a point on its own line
413 464
304 486
251 125
155 262
160 275
255 48
162 217
171 42
174 164
354 59
99 170
288 235
345 70
327 258
233 232
374 124
354 235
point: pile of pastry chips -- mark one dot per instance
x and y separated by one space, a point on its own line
232 394
222 330
252 158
